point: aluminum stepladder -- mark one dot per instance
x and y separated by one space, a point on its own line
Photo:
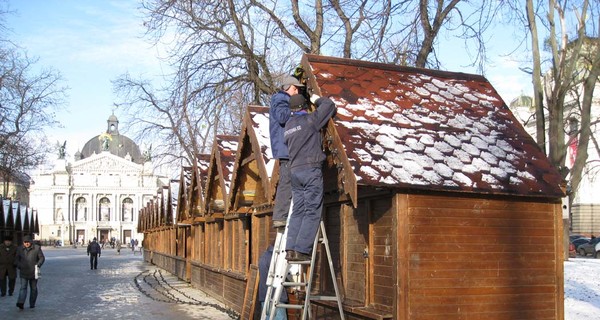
278 271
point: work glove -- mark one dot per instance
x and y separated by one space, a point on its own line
314 98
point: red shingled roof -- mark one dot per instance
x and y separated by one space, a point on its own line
427 129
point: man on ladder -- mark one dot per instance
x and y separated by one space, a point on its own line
303 138
302 135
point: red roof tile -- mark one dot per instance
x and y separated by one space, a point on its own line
427 129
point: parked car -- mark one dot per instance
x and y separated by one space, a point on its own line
575 236
580 241
597 250
588 248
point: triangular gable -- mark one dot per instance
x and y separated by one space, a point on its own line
163 205
17 215
220 173
105 161
156 213
203 165
183 213
32 220
251 183
195 193
173 194
2 215
425 129
9 214
36 228
26 219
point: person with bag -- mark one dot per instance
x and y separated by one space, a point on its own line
94 251
29 259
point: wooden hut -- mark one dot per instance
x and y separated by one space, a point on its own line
438 204
456 213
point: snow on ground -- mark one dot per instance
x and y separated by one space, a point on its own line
582 289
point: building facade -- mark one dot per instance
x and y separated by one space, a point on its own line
584 213
99 194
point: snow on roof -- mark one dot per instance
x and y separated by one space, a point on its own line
203 162
227 149
409 127
259 117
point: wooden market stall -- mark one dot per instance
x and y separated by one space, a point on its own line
438 204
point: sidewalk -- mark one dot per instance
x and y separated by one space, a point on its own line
123 287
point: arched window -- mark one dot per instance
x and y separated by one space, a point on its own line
80 209
104 212
59 215
127 210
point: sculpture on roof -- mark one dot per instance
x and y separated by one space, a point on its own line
105 138
61 149
148 154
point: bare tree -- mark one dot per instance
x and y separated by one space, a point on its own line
566 91
227 54
28 100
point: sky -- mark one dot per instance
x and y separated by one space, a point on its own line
92 43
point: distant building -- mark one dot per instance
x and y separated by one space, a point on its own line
99 194
584 213
17 188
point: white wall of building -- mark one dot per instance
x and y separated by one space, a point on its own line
126 186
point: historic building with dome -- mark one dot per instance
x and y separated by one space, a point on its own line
99 193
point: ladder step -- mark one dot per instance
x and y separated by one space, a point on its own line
294 284
290 306
323 298
299 262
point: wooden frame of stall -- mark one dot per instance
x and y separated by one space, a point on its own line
399 253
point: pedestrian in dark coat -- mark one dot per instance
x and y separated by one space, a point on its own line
303 137
29 259
94 251
279 113
8 256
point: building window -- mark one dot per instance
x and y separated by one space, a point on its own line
104 212
59 215
80 209
127 210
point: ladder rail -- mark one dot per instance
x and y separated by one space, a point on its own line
274 279
325 243
280 268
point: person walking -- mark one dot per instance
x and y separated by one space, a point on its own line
303 137
279 114
8 255
30 259
94 251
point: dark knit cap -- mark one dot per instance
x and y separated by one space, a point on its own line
298 102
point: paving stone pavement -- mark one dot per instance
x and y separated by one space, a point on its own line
123 287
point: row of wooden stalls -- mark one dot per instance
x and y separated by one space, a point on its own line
17 220
438 204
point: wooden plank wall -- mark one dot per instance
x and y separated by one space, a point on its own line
477 258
